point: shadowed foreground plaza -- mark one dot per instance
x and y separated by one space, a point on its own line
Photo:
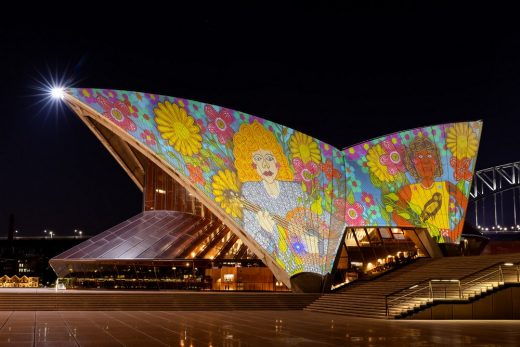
241 328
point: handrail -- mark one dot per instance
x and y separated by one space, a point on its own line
500 277
446 282
466 276
484 269
462 287
403 296
387 307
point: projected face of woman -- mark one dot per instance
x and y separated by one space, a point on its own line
266 165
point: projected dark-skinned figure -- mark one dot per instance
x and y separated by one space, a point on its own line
428 199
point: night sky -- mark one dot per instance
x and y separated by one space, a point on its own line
339 72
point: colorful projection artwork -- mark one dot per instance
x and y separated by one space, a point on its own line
418 177
279 185
292 193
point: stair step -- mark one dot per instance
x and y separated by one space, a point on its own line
363 296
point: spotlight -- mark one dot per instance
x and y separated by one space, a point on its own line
57 92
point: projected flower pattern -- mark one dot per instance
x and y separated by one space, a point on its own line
198 140
294 194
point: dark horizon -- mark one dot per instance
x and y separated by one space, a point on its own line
340 73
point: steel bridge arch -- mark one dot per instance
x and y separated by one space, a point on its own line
496 184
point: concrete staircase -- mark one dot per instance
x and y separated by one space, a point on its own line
368 298
50 300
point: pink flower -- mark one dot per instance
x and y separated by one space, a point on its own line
355 152
326 149
395 139
305 173
393 157
354 214
110 93
152 98
88 94
461 169
368 199
220 123
420 132
256 119
149 138
118 112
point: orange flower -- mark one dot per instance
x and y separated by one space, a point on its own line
196 174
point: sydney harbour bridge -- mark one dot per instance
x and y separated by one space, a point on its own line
494 205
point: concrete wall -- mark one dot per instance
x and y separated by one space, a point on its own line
503 304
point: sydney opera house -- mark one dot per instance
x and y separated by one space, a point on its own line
232 201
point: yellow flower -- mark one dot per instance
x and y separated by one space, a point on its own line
374 164
226 188
462 141
180 129
304 147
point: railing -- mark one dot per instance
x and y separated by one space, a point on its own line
479 283
447 289
427 291
406 297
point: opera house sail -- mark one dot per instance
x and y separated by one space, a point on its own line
282 197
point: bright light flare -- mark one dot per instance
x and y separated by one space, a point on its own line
51 91
58 92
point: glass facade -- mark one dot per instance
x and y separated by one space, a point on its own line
369 251
179 274
162 192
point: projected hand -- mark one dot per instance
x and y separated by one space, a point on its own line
265 221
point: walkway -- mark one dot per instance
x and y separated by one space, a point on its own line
241 328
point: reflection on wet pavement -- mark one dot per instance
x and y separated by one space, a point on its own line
242 328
